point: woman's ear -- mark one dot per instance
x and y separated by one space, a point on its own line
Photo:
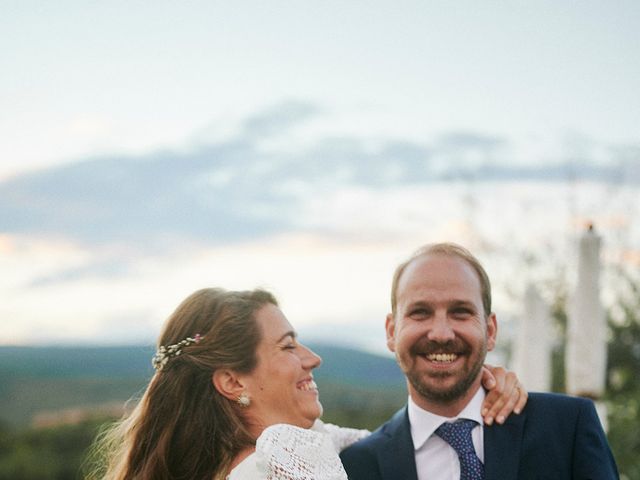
228 384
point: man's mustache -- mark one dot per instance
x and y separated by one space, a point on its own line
425 346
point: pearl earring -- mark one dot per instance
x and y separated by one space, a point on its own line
244 400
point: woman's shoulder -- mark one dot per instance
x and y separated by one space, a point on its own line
341 437
292 453
288 452
283 436
251 468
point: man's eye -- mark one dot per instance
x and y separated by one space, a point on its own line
290 346
420 312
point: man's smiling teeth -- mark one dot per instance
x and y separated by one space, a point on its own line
308 385
442 357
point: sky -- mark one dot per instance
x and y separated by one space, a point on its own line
153 148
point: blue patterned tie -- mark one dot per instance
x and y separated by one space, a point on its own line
458 435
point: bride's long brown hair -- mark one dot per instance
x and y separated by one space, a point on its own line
182 428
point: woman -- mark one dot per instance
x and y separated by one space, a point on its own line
233 398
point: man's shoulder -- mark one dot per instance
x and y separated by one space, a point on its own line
553 407
568 431
368 458
557 400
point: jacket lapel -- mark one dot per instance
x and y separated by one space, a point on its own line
396 456
502 448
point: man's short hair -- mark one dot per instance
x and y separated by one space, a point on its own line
452 250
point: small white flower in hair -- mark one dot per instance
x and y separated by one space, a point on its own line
164 353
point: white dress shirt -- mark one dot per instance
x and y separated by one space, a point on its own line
435 458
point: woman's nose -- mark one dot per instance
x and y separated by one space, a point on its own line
311 360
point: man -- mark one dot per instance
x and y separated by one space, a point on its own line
440 329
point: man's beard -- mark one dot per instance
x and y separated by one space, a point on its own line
445 395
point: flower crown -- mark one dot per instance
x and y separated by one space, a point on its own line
164 353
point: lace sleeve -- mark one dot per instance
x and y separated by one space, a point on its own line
340 436
292 453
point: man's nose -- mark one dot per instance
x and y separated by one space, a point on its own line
441 329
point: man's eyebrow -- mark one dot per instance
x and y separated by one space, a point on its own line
290 333
419 303
462 303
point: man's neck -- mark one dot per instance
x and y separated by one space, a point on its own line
445 409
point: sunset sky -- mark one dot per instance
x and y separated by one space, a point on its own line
153 148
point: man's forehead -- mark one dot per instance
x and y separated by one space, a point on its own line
439 271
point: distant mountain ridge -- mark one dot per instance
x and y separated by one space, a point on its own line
54 361
34 380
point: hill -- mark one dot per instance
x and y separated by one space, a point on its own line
47 385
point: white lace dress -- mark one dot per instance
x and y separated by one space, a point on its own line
285 452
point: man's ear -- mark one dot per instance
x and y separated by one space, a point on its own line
390 327
492 331
228 383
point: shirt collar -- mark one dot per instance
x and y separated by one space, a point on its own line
424 423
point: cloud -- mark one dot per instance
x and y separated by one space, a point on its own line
233 191
103 268
278 119
627 158
339 161
138 200
466 140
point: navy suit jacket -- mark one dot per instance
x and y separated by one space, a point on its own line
555 437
